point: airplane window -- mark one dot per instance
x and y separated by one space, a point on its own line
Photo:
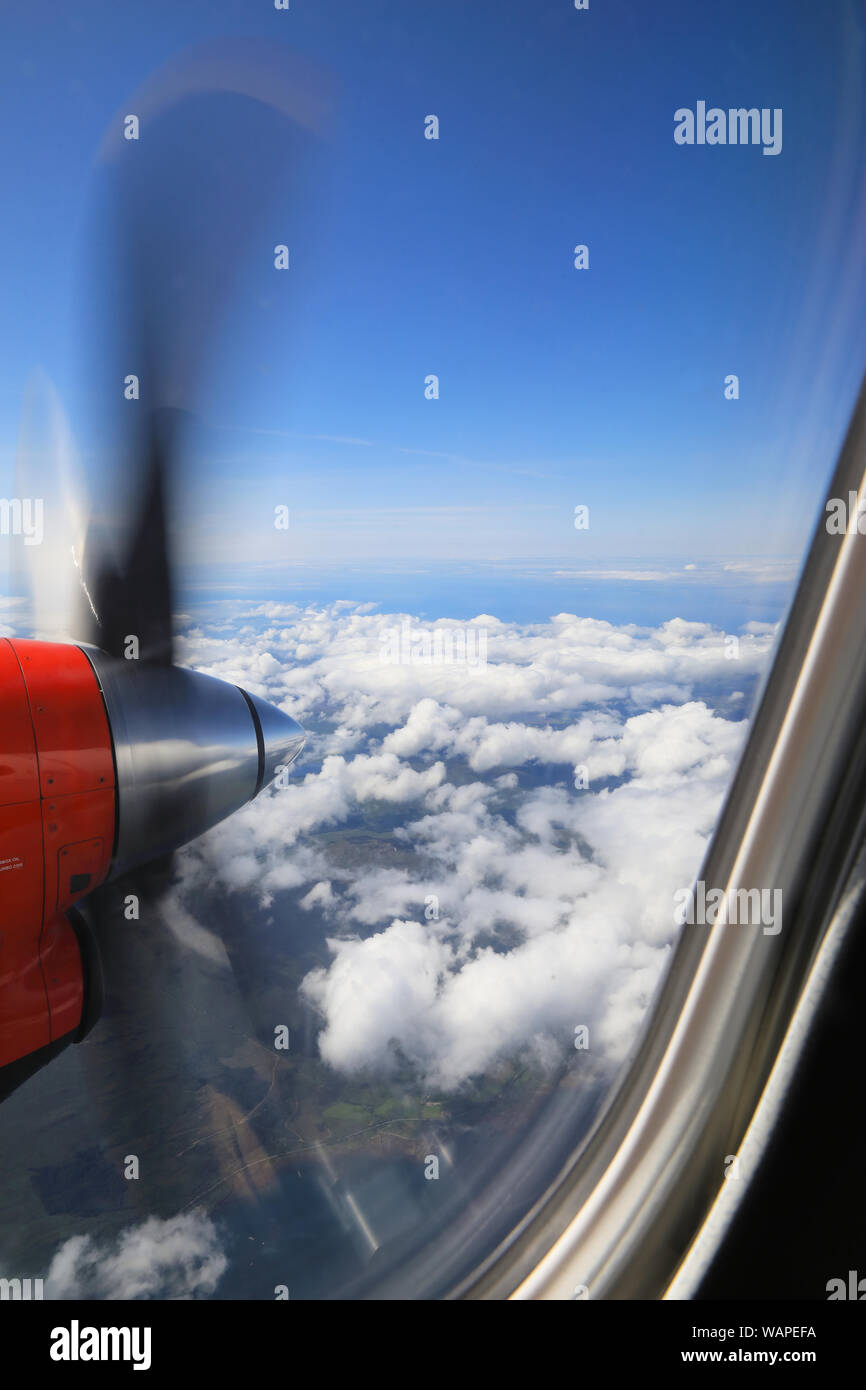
455 391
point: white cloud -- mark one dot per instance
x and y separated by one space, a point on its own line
320 895
554 905
326 662
178 1258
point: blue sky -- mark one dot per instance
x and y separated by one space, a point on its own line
410 257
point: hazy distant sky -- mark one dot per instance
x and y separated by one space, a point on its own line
558 387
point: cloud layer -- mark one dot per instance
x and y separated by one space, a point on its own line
521 902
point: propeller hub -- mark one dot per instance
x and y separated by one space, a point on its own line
189 750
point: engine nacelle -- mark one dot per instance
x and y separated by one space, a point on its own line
104 765
188 751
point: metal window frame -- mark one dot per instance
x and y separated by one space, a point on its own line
641 1205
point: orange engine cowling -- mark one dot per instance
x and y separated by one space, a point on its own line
57 830
105 765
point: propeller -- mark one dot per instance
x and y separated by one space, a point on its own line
176 213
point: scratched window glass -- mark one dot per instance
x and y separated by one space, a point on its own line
419 415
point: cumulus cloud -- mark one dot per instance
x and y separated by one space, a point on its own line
179 1258
327 661
522 901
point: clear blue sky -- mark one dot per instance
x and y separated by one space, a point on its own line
558 387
